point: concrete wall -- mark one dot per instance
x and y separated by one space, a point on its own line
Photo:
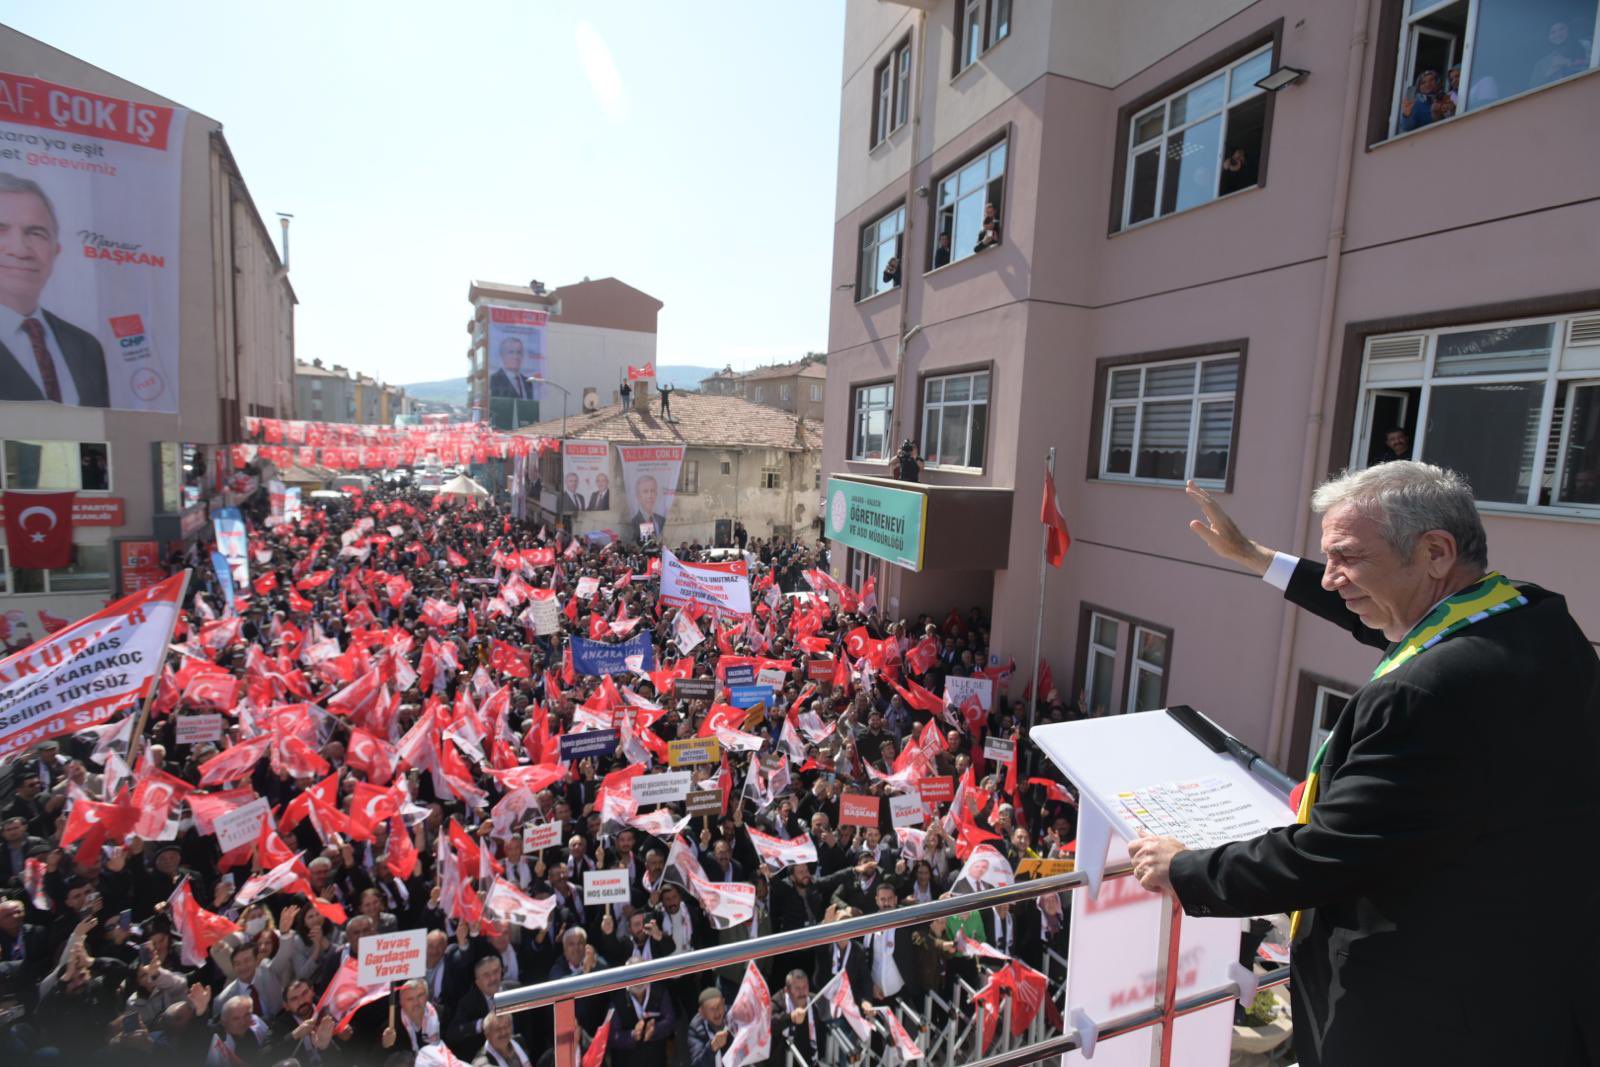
1061 293
590 357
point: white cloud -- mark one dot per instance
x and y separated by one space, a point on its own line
601 70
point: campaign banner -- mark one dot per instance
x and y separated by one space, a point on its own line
694 688
398 956
197 729
662 788
233 542
957 690
939 789
545 615
139 565
739 674
516 352
690 751
585 476
597 657
772 676
703 802
650 478
748 696
292 509
819 670
84 674
606 887
858 809
94 186
905 809
999 749
276 491
714 585
224 575
596 743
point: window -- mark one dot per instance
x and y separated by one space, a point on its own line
955 419
967 213
891 101
89 572
1100 665
816 392
81 465
1513 406
880 253
1461 55
1170 421
727 468
980 25
858 567
760 394
1147 686
689 476
873 408
785 392
771 478
1202 142
1326 708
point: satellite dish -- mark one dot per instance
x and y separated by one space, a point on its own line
591 400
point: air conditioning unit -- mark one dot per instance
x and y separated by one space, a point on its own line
591 399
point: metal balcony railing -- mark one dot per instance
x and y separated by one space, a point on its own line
563 993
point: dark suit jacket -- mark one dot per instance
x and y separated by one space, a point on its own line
10 873
600 501
701 1054
651 1053
1452 791
1026 926
502 384
573 502
85 360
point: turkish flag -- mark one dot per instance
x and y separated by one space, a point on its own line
1058 539
39 529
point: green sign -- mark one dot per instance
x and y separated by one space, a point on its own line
880 521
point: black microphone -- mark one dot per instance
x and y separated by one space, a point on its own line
1217 739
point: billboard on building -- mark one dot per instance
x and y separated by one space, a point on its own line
878 520
650 478
516 352
585 476
90 194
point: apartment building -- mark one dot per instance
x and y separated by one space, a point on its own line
336 394
1248 243
177 379
797 387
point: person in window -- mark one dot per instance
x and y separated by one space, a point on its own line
1396 445
989 236
1424 104
891 272
1452 80
907 468
1567 55
941 255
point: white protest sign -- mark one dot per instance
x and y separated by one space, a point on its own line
537 836
605 887
587 586
905 809
242 825
957 690
999 749
546 616
194 729
661 788
773 676
713 585
687 634
395 957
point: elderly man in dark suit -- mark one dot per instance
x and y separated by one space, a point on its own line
1414 884
42 356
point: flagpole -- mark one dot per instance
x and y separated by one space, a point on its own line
1044 574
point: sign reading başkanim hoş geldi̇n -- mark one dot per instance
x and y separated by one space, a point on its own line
875 519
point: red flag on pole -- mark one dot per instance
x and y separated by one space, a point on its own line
39 528
1058 539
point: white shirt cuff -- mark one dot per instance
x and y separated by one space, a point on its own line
1280 570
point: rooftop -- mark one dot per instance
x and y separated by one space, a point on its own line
800 369
700 421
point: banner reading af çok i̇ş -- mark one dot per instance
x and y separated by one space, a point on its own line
650 477
585 476
721 585
90 187
516 352
82 675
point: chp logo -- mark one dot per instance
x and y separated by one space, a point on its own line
837 511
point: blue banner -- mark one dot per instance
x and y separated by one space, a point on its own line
748 696
596 743
219 564
596 657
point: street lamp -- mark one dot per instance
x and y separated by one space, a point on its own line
564 394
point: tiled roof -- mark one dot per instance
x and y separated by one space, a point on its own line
702 420
781 370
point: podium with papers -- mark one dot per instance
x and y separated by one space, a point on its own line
1151 771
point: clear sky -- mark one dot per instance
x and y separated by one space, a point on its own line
687 149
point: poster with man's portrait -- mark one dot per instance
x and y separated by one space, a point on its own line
516 352
90 198
650 478
585 476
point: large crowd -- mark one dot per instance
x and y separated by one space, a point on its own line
385 688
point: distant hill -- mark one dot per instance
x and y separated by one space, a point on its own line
454 390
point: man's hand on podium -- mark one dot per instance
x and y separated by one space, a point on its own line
1152 860
1223 536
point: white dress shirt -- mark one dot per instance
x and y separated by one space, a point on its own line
21 346
1280 570
885 973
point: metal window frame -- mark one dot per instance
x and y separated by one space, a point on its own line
562 994
934 409
1196 400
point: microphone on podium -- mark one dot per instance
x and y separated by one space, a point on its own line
1217 739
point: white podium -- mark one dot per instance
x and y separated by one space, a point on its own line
1147 770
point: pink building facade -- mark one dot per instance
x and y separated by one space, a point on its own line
1163 270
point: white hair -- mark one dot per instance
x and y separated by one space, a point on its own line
1408 499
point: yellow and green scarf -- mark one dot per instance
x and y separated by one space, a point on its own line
1490 595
